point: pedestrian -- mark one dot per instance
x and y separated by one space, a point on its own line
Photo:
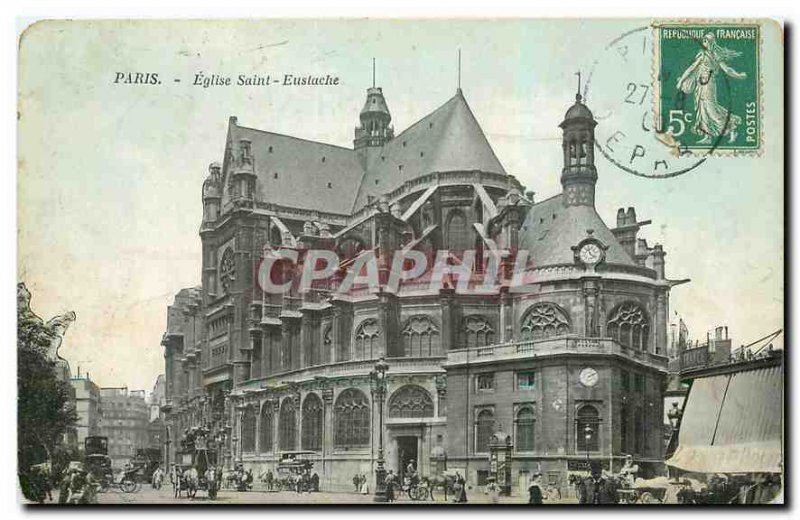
390 486
357 482
460 488
597 489
493 490
364 487
535 490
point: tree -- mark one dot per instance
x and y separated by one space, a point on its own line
45 410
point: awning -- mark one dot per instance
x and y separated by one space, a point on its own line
733 423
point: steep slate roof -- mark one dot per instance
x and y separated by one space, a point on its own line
304 170
551 229
447 139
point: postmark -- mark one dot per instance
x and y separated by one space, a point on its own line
620 91
707 85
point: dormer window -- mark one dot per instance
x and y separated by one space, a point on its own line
330 185
270 149
275 175
323 159
244 145
400 167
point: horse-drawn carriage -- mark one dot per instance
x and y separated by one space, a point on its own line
643 491
294 472
196 470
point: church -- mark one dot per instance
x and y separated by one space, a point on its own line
567 366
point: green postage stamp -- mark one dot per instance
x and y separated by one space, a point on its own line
708 85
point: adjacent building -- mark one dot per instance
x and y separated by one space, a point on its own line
87 406
125 423
572 363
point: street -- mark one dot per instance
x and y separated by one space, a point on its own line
148 495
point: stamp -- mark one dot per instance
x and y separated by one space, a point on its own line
707 85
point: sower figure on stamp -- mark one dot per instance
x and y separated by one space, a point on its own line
711 119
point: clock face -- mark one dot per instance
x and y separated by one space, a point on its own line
590 253
589 377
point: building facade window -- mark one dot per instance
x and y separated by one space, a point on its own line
411 401
587 416
266 428
638 432
624 424
625 380
484 428
366 340
351 419
458 236
544 320
227 270
639 381
421 337
287 422
477 332
525 422
526 380
629 326
311 428
249 430
484 382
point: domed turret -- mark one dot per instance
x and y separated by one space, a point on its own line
579 175
375 119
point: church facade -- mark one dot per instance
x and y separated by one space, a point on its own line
575 338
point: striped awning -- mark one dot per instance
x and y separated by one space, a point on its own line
733 423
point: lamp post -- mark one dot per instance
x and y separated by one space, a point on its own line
587 433
378 387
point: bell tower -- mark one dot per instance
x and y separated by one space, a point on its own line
375 119
579 175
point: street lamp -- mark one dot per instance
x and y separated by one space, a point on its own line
377 380
587 433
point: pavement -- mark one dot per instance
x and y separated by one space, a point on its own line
148 495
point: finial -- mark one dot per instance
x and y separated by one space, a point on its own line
373 72
578 95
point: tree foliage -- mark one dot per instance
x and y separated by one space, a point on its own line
45 410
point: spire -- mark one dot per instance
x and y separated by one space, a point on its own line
459 71
578 94
375 118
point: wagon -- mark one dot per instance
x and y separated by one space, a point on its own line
644 491
195 471
292 469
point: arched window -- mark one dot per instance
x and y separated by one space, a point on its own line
628 325
458 236
478 332
266 428
366 344
351 419
312 423
249 430
421 337
411 401
587 439
484 428
544 320
288 425
227 270
525 421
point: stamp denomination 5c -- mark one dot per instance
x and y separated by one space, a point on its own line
708 85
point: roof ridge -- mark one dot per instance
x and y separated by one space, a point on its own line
295 138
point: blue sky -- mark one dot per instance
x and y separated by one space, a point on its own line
110 175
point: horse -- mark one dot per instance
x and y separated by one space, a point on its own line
445 482
192 480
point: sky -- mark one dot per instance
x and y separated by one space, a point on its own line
110 174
